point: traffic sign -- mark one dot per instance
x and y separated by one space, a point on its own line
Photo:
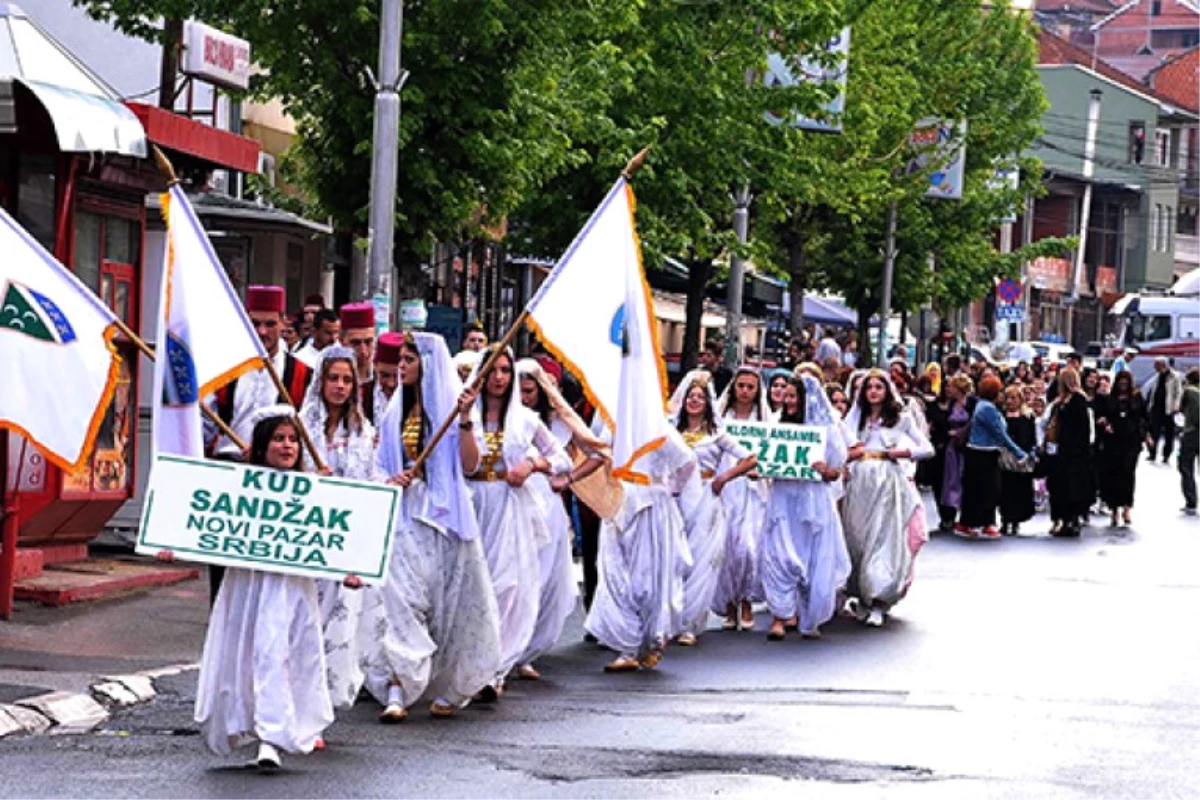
1009 290
1006 312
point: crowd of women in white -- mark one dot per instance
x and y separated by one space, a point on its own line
481 579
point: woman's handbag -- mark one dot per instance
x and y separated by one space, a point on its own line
1010 463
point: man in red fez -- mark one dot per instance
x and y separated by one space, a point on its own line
358 333
377 392
236 401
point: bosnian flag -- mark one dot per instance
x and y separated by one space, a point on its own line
205 339
595 314
57 360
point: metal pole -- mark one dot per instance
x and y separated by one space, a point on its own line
8 533
889 266
737 278
1026 238
385 154
1089 165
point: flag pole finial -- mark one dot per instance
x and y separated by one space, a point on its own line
635 163
164 164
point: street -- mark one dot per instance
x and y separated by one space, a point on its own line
1029 667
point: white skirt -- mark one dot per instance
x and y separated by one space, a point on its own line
746 516
352 622
512 526
642 559
885 528
559 591
262 675
706 534
442 635
804 557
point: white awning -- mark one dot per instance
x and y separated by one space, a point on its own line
87 114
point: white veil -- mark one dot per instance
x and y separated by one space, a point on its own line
854 417
314 416
519 421
819 411
675 405
448 506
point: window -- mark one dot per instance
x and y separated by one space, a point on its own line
1189 327
1137 142
106 254
35 197
1156 229
1149 329
1162 147
1156 8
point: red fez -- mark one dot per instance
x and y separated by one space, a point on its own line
551 367
265 298
358 315
387 348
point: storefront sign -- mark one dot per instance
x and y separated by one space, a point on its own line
785 452
784 70
215 56
217 512
1049 273
943 144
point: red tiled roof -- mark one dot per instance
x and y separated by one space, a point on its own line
1093 6
1179 79
1057 50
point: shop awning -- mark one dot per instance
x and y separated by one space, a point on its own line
825 311
87 114
183 135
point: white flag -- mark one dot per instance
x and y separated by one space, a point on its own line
57 359
595 314
204 338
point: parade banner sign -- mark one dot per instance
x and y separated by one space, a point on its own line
785 452
219 512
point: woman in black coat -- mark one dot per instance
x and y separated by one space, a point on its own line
1070 432
1016 488
1121 428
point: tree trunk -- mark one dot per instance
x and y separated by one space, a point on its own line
699 273
169 66
866 348
797 257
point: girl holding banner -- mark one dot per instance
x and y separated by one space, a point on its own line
745 501
262 675
443 630
345 440
513 519
694 405
884 516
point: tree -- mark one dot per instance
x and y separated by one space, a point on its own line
486 112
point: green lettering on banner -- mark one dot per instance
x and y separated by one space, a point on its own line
224 504
801 455
339 518
252 479
200 499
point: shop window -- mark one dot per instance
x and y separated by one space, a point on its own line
35 197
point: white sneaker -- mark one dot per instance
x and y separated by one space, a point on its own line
268 758
875 618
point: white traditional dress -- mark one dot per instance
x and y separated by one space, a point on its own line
804 557
352 619
745 501
883 514
262 673
643 556
443 637
513 522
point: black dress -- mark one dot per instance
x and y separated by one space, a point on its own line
1120 443
1016 488
1070 482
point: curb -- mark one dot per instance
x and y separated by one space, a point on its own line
76 712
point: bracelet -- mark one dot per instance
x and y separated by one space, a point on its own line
466 426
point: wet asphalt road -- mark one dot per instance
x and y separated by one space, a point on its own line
1029 667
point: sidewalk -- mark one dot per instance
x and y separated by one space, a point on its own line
71 653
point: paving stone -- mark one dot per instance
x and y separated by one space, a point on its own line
68 710
27 719
115 692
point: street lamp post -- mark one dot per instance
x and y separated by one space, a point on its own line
737 277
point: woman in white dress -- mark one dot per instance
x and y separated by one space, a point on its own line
884 516
745 500
512 517
804 558
443 630
262 674
559 591
704 511
351 619
643 556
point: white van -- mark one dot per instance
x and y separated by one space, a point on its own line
1167 325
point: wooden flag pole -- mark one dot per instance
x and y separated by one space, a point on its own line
149 353
475 386
164 164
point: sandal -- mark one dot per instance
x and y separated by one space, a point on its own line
393 714
622 664
651 659
686 639
527 672
441 708
747 616
776 633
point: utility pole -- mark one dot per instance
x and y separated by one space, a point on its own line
1089 165
377 283
737 278
889 267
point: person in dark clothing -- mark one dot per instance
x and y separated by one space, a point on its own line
710 361
1189 439
1121 429
1016 488
1069 435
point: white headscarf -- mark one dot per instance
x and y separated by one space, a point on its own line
448 503
696 376
819 411
519 422
762 409
360 453
854 417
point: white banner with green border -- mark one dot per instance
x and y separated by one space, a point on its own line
785 452
219 512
